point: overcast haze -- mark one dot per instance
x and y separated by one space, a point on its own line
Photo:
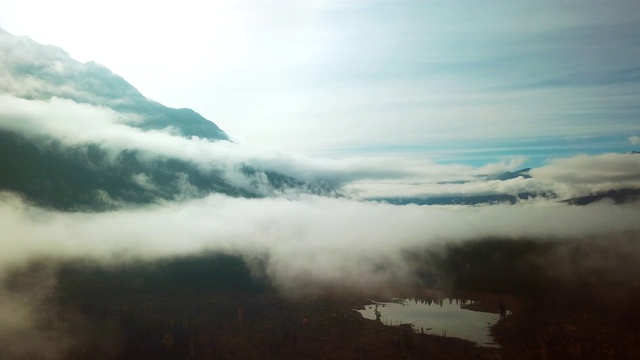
453 81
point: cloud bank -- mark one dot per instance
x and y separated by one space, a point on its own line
78 125
334 239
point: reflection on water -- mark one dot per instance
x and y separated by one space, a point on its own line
444 316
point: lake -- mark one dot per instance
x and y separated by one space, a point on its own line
442 316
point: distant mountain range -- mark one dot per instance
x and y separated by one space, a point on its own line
621 196
49 172
506 175
457 200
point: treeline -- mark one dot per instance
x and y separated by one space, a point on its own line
504 266
202 273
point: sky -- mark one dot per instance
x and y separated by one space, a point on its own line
454 82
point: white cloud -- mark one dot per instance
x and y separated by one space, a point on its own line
334 239
634 140
81 124
63 119
584 175
382 188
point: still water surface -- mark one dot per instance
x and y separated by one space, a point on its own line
444 316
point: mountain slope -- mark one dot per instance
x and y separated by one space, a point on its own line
75 136
32 71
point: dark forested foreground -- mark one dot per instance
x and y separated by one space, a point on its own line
568 300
